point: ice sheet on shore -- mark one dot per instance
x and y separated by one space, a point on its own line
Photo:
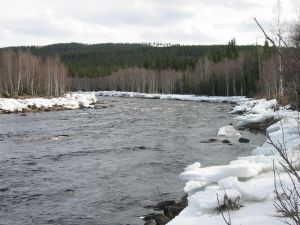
69 101
250 177
216 99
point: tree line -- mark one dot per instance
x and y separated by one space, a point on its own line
202 70
222 70
22 73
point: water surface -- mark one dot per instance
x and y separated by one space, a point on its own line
103 166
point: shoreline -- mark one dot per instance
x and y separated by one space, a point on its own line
167 210
69 101
77 100
249 179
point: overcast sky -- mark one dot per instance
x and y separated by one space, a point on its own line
40 22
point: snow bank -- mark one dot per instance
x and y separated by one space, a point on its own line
255 106
248 178
69 101
216 99
208 200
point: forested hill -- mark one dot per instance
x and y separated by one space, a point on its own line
203 70
95 60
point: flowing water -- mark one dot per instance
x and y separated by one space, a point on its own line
103 166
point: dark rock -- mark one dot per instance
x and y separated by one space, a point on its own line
48 109
150 222
172 211
183 202
4 189
261 127
23 114
150 216
212 139
244 140
226 141
161 219
161 205
142 147
31 163
209 140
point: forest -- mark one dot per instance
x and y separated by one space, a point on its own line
148 67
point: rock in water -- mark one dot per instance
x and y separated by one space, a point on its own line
161 219
244 140
226 141
151 222
209 140
228 131
172 211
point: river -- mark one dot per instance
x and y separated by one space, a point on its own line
103 166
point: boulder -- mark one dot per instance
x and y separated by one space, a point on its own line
161 205
150 222
226 141
172 211
159 219
244 140
209 140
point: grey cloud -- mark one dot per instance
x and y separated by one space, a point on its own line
127 20
38 26
179 36
124 14
234 4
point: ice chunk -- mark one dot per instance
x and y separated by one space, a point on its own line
216 173
192 185
194 166
228 131
264 106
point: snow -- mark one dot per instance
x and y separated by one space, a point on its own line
194 166
69 101
255 106
207 200
228 131
194 185
249 178
216 99
216 173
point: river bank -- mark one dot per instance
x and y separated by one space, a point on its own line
76 100
247 181
67 102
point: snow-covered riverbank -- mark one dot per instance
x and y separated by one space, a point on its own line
69 101
248 179
216 99
77 100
